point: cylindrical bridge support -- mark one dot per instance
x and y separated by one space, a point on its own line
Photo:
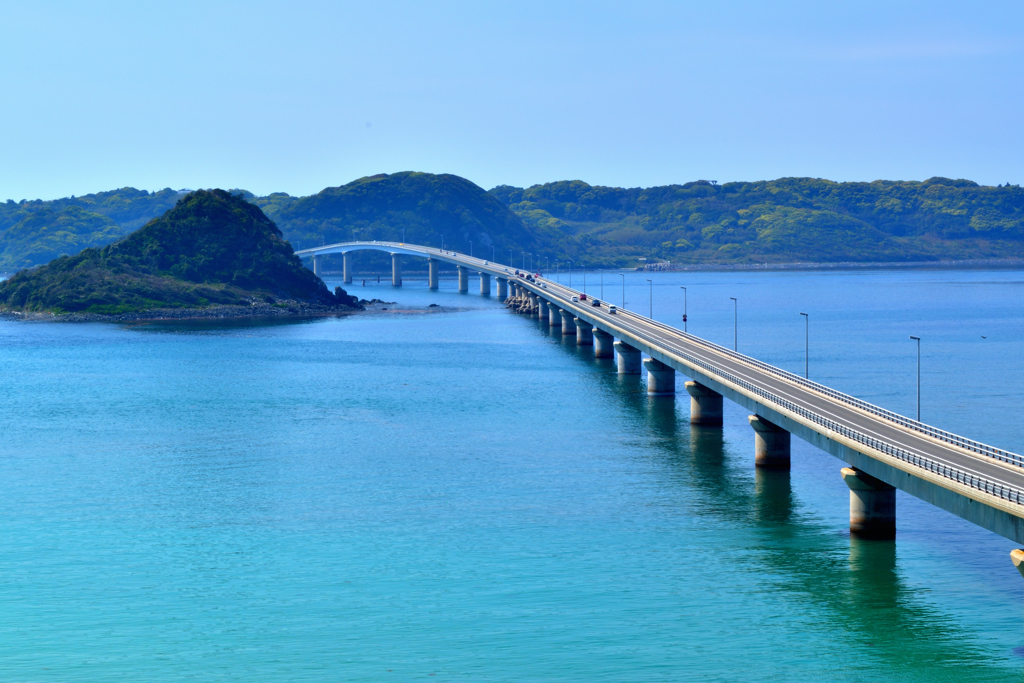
346 267
554 316
485 284
584 333
463 279
705 405
316 265
603 344
771 444
396 270
432 267
568 324
502 288
542 310
872 505
628 359
661 378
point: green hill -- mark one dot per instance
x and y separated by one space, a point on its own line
424 206
790 219
211 248
777 221
34 232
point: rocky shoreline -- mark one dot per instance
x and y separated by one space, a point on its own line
259 310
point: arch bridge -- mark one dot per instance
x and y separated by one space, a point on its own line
884 451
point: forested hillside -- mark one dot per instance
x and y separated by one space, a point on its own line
790 219
421 208
34 232
211 248
778 221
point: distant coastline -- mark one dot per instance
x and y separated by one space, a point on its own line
951 264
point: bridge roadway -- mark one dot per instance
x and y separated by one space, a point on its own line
980 483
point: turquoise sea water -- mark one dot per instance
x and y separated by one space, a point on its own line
461 495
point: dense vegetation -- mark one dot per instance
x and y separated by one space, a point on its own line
34 232
785 220
211 248
790 219
423 207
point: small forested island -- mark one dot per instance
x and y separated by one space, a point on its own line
212 254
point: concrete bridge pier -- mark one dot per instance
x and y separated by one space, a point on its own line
542 310
316 265
705 405
872 505
554 316
661 378
628 359
485 284
568 324
584 333
603 344
463 279
771 444
396 270
1017 557
502 288
346 266
432 266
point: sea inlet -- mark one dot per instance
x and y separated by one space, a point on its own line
458 493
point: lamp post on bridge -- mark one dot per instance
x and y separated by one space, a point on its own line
584 267
571 264
623 276
494 251
510 257
650 298
918 340
685 316
531 261
602 283
807 343
735 323
471 248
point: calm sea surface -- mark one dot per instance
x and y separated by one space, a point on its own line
460 494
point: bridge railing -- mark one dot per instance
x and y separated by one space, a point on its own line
915 425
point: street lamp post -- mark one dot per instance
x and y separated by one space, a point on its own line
623 276
602 283
584 267
471 248
918 340
531 261
735 323
571 263
807 343
685 316
510 257
494 251
651 298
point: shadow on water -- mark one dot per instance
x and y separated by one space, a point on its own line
198 325
858 581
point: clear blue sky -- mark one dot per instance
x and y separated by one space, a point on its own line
296 96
